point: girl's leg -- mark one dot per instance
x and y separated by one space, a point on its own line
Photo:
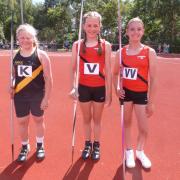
129 153
128 109
87 116
40 128
97 114
142 119
140 111
23 123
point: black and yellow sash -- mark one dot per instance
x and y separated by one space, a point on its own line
27 80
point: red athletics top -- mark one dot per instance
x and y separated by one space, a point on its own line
135 70
91 66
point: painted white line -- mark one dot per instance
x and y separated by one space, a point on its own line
168 62
168 58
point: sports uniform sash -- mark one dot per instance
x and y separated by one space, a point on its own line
139 76
100 74
27 80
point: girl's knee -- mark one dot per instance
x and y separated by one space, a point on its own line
38 120
143 131
23 121
87 119
97 122
127 123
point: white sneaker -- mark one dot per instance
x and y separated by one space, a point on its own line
130 163
146 163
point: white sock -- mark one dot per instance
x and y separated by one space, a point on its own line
25 142
140 151
40 140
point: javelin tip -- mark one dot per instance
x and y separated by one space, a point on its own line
12 151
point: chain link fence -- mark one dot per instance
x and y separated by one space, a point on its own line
54 47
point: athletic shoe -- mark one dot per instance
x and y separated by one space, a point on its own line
87 150
40 152
146 163
23 153
96 151
130 163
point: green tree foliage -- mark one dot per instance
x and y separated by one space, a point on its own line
107 9
40 14
1 33
7 7
51 3
53 21
58 20
3 17
161 19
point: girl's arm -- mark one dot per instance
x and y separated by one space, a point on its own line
12 75
108 75
116 71
45 61
73 65
152 79
73 91
116 77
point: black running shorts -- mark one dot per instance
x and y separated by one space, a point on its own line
87 93
135 97
24 107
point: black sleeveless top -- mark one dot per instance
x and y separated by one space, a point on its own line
24 67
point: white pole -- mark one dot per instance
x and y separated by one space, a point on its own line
11 82
120 86
22 14
77 77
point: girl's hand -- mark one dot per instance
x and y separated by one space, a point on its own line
108 100
11 92
120 93
149 109
44 104
74 94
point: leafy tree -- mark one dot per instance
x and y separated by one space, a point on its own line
51 3
1 33
59 19
160 18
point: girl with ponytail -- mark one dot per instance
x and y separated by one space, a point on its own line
94 88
